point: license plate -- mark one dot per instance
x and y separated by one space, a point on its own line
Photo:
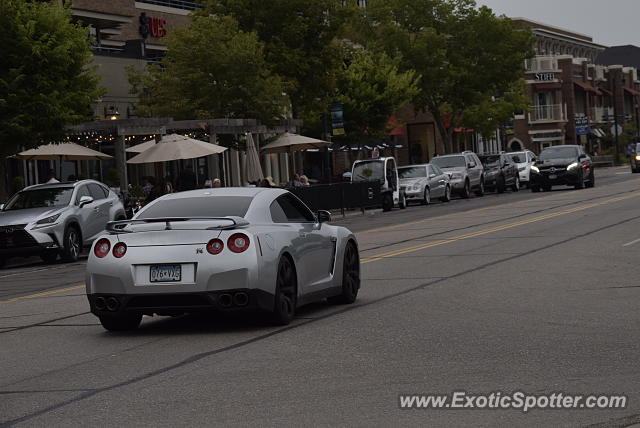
552 176
165 273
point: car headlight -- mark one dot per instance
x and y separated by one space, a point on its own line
572 166
534 168
638 157
48 220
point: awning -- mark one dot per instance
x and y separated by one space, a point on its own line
597 132
606 91
632 91
586 86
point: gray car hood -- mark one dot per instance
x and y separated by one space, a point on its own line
26 216
456 169
412 181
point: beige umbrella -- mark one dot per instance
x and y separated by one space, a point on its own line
62 152
139 148
253 170
174 147
288 143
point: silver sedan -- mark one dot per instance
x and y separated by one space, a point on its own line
222 249
424 182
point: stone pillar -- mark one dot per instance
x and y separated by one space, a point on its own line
266 161
275 167
121 162
234 167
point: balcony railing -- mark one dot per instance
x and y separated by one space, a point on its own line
548 113
178 4
541 63
600 114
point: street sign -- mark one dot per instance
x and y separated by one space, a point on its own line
337 119
613 130
582 125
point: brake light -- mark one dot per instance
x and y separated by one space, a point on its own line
215 246
119 250
238 242
102 248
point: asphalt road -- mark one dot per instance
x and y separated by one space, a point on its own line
513 292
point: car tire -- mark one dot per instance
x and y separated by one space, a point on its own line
3 262
350 277
501 185
516 185
480 191
402 201
49 256
546 188
72 244
447 194
466 190
534 188
592 181
426 197
635 170
120 322
580 184
285 298
387 202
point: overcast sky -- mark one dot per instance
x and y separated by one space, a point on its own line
609 22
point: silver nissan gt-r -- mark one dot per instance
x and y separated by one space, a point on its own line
220 249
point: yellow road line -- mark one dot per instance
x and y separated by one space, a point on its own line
43 294
492 230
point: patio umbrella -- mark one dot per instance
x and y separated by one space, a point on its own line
289 143
139 148
253 170
174 147
62 152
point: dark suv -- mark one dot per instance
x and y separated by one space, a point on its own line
500 172
565 165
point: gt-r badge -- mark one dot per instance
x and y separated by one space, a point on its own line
199 251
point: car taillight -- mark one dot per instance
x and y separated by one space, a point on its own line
215 246
102 248
119 250
238 242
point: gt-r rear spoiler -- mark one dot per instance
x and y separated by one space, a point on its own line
119 226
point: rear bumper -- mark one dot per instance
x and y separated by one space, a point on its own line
176 303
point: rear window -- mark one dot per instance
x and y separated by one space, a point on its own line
206 206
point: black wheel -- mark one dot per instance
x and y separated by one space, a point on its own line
480 191
3 262
501 185
284 306
546 188
635 170
580 184
447 194
350 277
426 200
402 201
72 244
592 180
535 188
49 256
516 185
121 322
387 202
466 192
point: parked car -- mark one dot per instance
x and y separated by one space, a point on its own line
634 159
523 161
465 170
56 219
567 165
500 172
221 249
385 170
424 182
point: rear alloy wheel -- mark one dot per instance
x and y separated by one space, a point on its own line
49 256
72 244
466 191
120 322
387 202
426 200
447 194
516 185
480 191
350 277
284 306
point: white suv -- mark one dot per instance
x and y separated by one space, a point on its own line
466 172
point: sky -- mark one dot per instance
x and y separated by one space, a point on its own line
609 22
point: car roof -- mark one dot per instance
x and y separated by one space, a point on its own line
452 154
225 191
62 184
414 165
563 145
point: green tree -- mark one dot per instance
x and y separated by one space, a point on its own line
300 38
46 81
466 56
372 88
212 69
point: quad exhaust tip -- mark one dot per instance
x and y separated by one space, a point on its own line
100 303
241 299
112 304
225 300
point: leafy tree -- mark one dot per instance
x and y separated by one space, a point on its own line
212 69
372 89
465 56
46 82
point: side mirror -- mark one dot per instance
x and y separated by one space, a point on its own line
582 156
432 176
471 165
323 216
85 200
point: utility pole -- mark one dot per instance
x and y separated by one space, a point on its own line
615 117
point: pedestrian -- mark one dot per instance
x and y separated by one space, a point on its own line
168 185
208 183
148 185
295 181
304 181
187 179
157 190
52 177
216 183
